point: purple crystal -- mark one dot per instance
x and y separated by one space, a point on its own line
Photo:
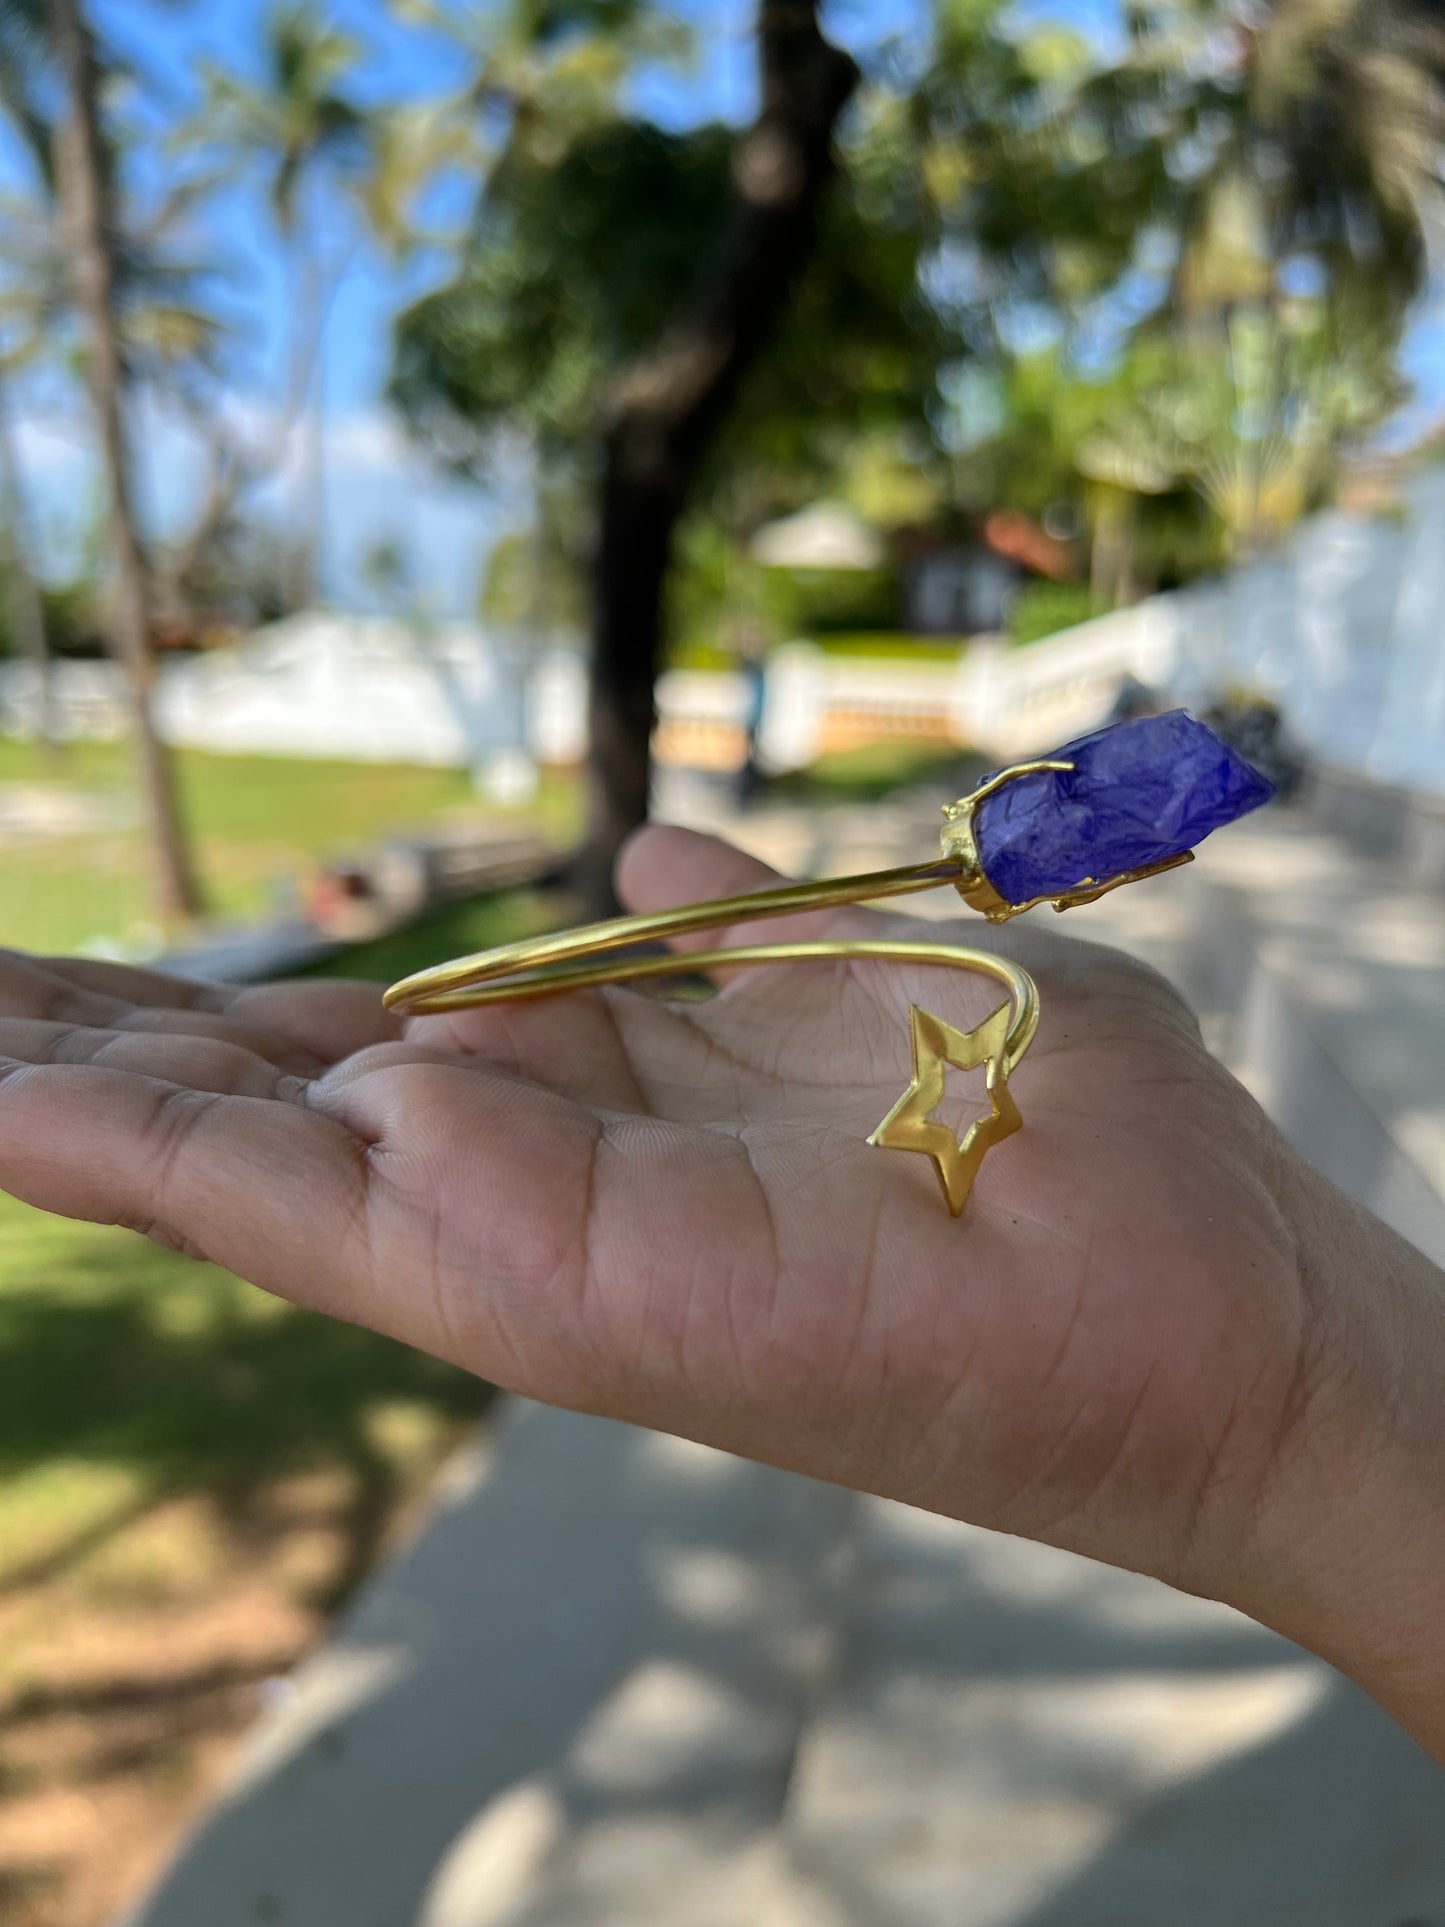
1137 793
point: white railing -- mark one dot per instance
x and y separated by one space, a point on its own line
1006 700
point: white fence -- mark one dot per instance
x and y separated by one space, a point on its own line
1007 700
1345 626
318 685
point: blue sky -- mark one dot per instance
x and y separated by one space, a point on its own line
378 487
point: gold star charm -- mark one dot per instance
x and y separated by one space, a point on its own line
908 1126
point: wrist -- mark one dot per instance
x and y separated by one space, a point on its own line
1347 1551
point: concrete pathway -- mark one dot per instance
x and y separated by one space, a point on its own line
623 1680
627 1682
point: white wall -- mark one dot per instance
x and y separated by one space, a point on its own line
369 690
1345 626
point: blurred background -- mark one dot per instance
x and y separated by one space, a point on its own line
435 437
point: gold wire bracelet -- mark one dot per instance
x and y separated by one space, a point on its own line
547 966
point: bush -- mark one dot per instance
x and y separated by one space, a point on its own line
72 624
1043 608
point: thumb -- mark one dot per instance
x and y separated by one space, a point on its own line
662 867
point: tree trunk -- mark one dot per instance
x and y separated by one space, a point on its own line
315 286
27 610
665 410
84 178
312 507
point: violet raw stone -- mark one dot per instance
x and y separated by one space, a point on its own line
1138 792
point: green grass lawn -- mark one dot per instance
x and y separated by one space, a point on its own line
128 1376
259 823
875 770
455 931
192 1475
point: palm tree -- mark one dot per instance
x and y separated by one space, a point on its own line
1303 243
300 124
1326 150
30 296
83 174
33 36
28 301
1287 154
26 604
171 342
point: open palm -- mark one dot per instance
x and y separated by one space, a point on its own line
668 1212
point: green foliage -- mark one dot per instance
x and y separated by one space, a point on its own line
1043 608
876 770
1004 211
73 624
719 599
480 923
851 384
591 226
722 603
531 587
892 644
237 574
562 285
299 117
822 602
128 1375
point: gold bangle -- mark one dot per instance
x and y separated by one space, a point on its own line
550 965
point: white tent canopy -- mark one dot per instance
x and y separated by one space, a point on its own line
826 535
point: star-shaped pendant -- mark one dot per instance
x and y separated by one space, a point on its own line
908 1126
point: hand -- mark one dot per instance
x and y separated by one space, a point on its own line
1132 1344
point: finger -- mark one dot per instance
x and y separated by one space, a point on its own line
274 1192
31 992
662 867
80 991
199 1063
128 983
328 1017
302 1025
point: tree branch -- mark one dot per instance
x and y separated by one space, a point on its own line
666 405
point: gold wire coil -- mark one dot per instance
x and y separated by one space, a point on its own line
1023 992
467 981
548 966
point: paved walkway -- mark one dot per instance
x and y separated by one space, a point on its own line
622 1680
